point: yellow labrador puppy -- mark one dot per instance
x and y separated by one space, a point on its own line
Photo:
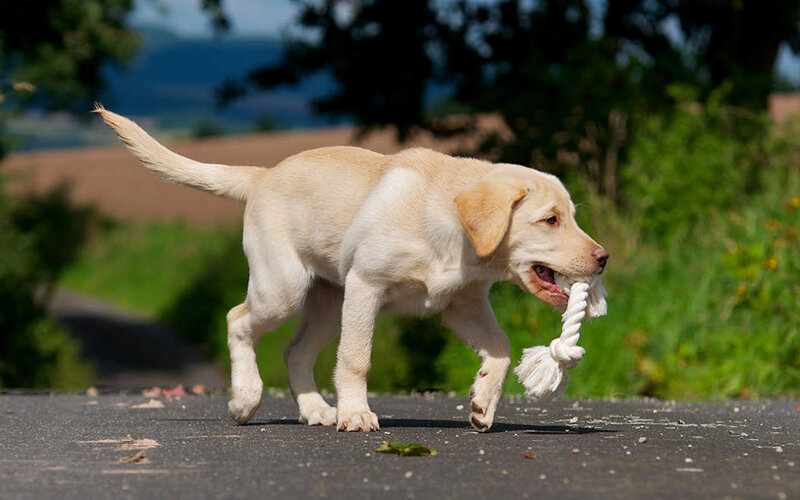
342 233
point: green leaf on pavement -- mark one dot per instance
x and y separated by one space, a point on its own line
406 450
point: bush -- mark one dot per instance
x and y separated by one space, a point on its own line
35 351
698 159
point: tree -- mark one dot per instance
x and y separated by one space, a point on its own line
52 55
376 50
720 41
567 79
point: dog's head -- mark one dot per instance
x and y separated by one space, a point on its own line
524 220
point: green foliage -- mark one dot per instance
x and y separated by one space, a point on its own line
688 161
34 352
60 46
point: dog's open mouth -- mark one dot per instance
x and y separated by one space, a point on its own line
546 278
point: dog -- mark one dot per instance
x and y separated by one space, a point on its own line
341 233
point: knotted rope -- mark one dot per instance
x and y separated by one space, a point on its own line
543 370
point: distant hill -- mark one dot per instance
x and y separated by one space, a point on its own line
170 85
173 78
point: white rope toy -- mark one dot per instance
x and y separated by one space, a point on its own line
543 370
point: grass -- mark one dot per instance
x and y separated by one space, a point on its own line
697 318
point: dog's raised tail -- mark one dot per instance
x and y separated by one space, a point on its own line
228 181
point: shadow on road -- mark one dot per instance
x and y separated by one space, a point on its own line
395 423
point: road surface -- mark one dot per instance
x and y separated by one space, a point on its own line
77 446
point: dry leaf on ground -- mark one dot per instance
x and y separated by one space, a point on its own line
151 392
140 444
178 390
153 403
140 457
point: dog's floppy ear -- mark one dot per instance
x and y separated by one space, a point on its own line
484 210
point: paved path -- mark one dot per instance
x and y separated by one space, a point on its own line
72 446
130 352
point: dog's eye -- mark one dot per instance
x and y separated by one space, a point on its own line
552 220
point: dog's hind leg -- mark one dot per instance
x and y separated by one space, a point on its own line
319 326
273 296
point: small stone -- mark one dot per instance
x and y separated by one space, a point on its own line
408 474
779 449
460 407
573 420
481 452
688 460
642 440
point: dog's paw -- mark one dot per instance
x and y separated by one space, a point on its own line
242 409
357 421
479 418
483 403
319 416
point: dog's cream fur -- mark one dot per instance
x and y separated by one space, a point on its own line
342 233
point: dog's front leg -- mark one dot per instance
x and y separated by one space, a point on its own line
362 302
471 318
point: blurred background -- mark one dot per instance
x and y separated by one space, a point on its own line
672 122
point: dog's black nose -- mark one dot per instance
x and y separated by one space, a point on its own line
602 257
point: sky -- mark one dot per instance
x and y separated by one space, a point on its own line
247 17
268 18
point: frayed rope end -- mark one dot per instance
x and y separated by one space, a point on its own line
543 377
543 370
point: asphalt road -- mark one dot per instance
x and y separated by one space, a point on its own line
75 446
129 351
